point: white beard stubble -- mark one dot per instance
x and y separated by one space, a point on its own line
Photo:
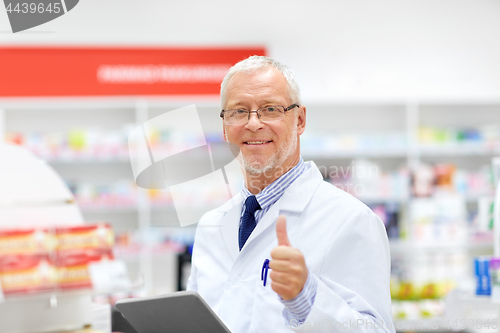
283 153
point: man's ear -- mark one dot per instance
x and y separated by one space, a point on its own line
301 121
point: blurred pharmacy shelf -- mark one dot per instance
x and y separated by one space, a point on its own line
459 311
398 245
108 209
89 160
52 296
311 154
86 141
460 150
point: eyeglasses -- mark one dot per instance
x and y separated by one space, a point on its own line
266 114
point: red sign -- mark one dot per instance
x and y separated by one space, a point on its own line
35 71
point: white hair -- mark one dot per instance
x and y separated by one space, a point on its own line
255 63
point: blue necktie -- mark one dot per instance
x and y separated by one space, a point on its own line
248 220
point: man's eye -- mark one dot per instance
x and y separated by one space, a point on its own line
240 111
271 109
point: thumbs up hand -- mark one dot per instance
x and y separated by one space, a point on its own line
289 270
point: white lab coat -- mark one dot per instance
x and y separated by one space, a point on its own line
344 244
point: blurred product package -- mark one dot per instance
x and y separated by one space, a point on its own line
34 260
389 214
20 274
438 220
73 267
77 247
26 242
482 270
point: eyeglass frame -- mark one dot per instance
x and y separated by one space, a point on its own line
291 107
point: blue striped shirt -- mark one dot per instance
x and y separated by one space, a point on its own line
299 307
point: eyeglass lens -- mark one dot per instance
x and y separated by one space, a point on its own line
269 113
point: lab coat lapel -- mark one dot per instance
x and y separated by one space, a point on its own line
295 199
230 223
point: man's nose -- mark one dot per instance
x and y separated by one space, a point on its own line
254 122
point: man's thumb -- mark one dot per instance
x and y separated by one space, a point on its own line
281 231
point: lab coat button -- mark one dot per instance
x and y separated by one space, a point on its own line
237 281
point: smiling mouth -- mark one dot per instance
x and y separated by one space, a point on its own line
256 143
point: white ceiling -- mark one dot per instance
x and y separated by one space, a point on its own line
387 49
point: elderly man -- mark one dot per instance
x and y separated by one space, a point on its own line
327 253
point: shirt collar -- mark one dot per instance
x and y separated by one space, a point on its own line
274 191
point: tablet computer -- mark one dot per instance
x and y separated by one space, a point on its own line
183 311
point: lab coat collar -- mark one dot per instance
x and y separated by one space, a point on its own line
295 199
231 203
230 224
300 192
